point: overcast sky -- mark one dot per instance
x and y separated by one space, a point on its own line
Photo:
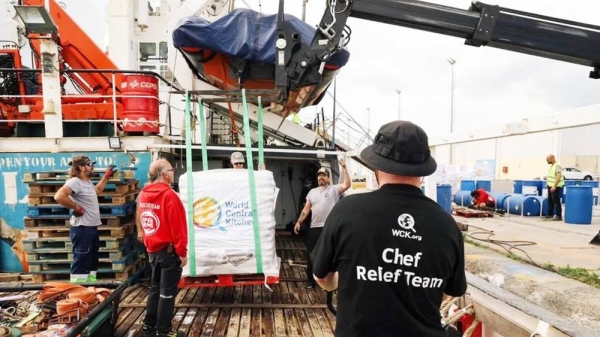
491 85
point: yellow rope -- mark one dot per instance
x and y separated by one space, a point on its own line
445 307
457 315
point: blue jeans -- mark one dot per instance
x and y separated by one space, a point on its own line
86 244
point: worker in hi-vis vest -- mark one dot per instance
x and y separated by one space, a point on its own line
555 182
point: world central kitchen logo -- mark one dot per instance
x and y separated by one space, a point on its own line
208 213
407 222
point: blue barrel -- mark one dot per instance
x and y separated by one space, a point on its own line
565 189
578 207
527 204
518 186
544 202
444 197
500 197
463 198
485 184
594 185
467 185
541 187
531 187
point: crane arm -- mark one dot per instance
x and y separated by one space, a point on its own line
299 63
79 51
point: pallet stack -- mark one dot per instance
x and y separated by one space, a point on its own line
48 247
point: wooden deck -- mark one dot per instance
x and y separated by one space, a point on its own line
288 310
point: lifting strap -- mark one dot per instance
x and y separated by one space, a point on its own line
253 199
73 302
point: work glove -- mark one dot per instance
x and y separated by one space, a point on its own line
110 171
77 212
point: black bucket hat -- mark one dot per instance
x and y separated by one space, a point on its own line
401 148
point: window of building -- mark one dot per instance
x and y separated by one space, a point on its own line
163 51
147 50
148 68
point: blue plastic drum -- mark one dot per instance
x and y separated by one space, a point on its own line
500 197
544 202
518 186
467 185
463 198
485 184
518 204
578 207
531 187
594 185
444 197
565 188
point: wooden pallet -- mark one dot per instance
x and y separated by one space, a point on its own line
63 231
65 243
48 187
470 213
105 254
64 266
110 198
62 176
55 210
226 281
107 221
9 277
103 275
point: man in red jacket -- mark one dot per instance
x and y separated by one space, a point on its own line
160 218
482 199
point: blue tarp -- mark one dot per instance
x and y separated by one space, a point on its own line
245 34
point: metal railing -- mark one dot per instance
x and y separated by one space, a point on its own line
108 97
349 134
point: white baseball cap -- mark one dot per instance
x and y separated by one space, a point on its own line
237 157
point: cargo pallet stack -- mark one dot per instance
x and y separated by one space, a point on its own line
47 244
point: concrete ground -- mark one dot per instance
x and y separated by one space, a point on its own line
552 242
544 242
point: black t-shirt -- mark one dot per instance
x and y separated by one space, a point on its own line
396 252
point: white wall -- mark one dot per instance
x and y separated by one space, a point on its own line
525 155
582 141
468 153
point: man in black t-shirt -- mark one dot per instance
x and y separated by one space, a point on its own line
394 253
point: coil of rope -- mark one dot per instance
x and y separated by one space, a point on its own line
5 331
449 319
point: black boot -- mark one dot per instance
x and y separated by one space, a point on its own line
148 331
171 334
